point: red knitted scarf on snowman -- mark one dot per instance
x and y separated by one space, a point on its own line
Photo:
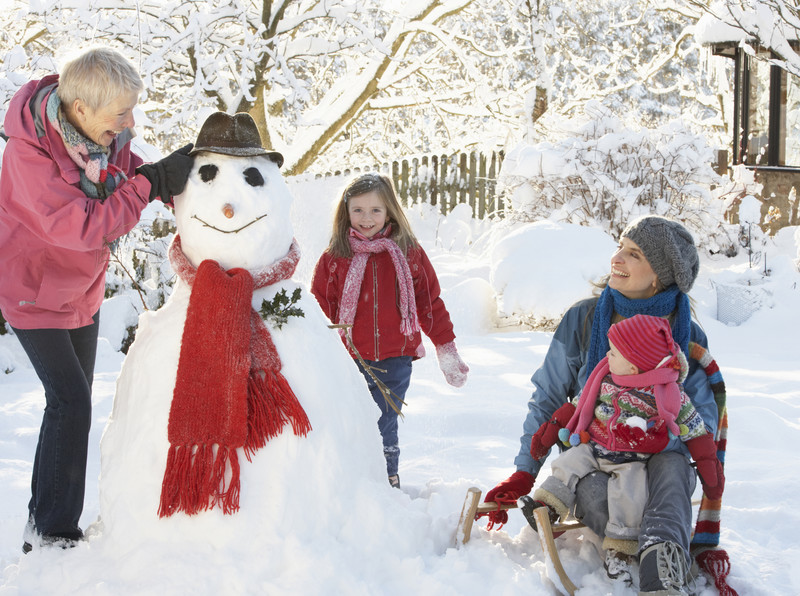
229 391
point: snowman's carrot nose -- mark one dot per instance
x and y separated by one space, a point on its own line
227 210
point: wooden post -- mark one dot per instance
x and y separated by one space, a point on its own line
413 182
473 179
396 178
491 185
424 175
404 182
462 178
444 188
435 196
482 187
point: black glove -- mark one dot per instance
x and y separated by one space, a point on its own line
168 176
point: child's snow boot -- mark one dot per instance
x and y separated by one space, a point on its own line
527 504
618 566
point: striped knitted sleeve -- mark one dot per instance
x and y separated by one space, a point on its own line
691 419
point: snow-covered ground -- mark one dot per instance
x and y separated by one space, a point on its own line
452 439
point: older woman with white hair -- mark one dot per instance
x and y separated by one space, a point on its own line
70 185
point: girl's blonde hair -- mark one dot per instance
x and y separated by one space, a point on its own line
401 229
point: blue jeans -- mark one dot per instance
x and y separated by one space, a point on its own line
668 511
64 361
395 373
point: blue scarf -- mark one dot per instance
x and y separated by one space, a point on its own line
661 305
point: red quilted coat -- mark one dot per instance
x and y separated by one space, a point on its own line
376 328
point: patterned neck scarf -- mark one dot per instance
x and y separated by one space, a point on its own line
362 248
98 177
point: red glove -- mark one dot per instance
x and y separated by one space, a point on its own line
547 435
508 491
709 468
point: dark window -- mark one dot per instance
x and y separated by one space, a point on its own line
767 112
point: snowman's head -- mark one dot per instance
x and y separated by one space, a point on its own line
235 207
234 210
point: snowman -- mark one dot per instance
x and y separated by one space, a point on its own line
238 417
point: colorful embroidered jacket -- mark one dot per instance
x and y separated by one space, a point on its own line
563 374
617 406
376 327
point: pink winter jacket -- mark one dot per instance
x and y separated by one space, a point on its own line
54 239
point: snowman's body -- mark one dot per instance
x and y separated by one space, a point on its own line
293 481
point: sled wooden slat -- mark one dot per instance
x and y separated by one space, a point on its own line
472 506
468 511
545 531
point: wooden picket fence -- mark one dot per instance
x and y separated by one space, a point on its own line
445 181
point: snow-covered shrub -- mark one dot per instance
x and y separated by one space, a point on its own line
139 267
602 173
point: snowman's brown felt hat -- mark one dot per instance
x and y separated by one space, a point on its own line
235 135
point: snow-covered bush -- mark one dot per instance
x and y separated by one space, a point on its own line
139 268
604 174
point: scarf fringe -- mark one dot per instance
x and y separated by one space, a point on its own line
716 563
197 479
271 403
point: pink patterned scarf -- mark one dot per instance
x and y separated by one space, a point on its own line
362 248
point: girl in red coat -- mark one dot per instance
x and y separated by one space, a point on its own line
375 276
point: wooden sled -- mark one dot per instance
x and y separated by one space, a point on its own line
707 526
473 506
544 529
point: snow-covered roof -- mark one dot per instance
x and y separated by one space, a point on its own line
728 24
710 30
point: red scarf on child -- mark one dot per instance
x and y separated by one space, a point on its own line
229 391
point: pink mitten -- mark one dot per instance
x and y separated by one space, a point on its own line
454 369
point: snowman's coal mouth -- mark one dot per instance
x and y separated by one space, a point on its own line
208 225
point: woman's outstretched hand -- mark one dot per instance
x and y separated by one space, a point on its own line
168 176
508 491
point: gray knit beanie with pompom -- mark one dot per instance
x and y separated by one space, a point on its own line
668 247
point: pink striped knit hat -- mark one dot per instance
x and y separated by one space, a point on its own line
645 341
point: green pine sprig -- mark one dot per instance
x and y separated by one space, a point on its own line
281 307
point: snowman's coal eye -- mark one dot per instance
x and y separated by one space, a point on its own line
253 177
208 172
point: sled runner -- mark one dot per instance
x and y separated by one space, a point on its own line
705 540
473 508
